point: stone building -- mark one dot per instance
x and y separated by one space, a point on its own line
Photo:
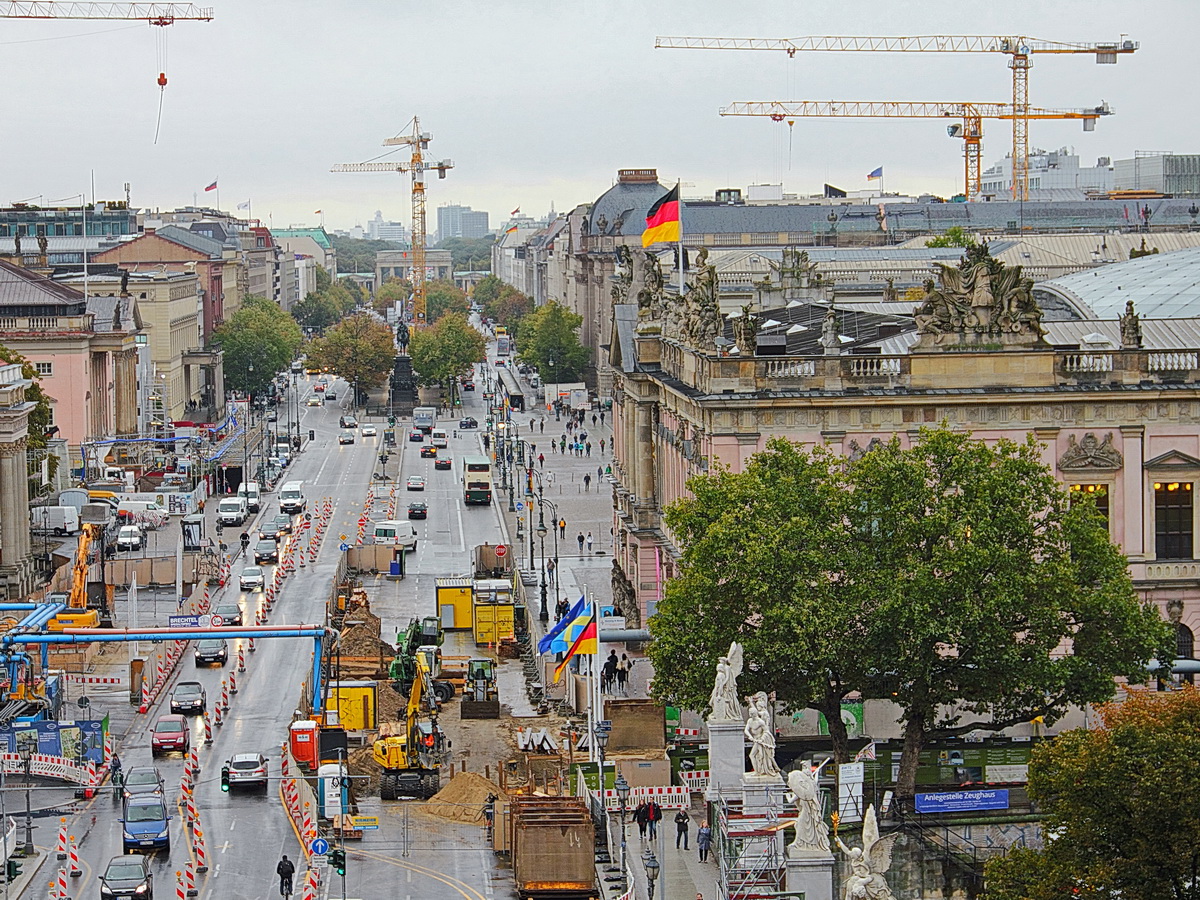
16 559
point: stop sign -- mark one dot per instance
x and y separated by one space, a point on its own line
500 551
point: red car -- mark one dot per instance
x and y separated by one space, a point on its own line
170 733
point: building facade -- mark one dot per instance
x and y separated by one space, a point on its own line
454 221
398 264
1167 173
17 569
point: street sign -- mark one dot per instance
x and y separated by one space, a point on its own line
184 621
500 551
319 846
216 621
520 505
365 823
343 537
319 860
343 546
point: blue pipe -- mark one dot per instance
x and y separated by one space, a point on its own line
45 612
4 607
318 653
84 636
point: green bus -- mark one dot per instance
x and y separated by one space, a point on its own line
477 480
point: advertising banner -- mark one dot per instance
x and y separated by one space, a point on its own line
79 740
962 801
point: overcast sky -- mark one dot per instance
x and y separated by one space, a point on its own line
541 102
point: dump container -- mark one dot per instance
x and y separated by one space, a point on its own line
553 848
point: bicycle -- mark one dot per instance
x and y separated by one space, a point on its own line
285 885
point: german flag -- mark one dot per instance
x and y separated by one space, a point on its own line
662 221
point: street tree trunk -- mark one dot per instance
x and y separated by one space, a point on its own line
914 741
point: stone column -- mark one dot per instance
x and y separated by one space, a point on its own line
726 757
125 391
16 566
643 454
811 874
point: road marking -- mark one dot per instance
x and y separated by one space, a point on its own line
225 846
464 890
216 872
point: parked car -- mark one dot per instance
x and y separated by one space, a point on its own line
266 551
368 431
230 613
429 452
143 780
127 878
418 510
415 483
346 436
130 537
468 422
416 437
211 650
249 769
188 698
252 579
443 462
170 733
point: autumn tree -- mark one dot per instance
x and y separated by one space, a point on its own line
1119 807
392 291
259 340
446 350
443 296
551 332
509 307
360 349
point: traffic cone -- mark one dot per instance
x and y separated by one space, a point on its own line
75 870
60 851
251 645
241 657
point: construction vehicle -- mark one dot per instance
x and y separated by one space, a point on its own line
481 696
422 639
78 614
411 752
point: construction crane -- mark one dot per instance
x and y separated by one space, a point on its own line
154 13
1020 51
971 114
419 142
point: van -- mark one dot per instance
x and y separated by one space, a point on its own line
291 497
396 534
232 511
438 438
251 493
54 519
142 512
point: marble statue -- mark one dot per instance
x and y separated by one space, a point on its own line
702 319
1131 328
724 698
761 736
868 865
829 331
811 834
650 297
745 331
624 273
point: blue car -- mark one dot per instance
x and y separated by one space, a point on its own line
146 825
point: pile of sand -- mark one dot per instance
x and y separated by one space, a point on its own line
463 799
362 763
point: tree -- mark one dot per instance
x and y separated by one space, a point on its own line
316 311
324 280
954 236
1119 805
358 255
259 340
551 332
441 297
486 290
446 350
392 291
950 574
360 348
510 306
40 416
470 254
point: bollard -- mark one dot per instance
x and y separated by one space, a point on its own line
218 712
233 682
241 657
251 645
60 851
208 739
198 847
62 885
180 891
189 874
75 870
224 695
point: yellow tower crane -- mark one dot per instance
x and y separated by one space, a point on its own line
418 166
1020 51
971 114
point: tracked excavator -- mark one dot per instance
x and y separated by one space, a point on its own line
411 752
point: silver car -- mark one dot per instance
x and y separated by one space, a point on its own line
248 769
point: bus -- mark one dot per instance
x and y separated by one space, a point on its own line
477 480
510 389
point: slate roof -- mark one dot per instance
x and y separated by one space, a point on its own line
23 292
623 208
201 243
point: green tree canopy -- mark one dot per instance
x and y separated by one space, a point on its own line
551 332
357 255
360 349
259 340
486 290
324 280
1119 805
318 310
954 236
443 296
951 573
509 307
446 350
390 292
470 254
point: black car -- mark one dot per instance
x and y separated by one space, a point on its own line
266 551
468 385
212 650
230 613
442 462
418 511
127 878
283 522
468 422
330 395
143 780
189 698
269 530
429 452
416 437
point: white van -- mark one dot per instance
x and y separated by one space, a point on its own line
396 534
438 438
251 493
291 497
232 511
55 519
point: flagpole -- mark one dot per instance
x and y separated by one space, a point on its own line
679 191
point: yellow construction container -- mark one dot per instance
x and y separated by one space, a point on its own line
454 602
354 704
494 612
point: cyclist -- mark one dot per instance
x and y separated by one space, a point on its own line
285 870
118 781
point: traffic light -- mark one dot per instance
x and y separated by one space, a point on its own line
12 869
391 421
225 777
337 859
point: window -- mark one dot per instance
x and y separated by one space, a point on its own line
1173 525
45 369
1098 493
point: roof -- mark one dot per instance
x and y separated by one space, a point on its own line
622 208
23 288
102 310
801 323
201 243
317 234
1161 286
625 317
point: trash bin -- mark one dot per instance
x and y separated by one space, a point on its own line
394 568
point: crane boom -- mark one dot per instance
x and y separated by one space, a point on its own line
1019 48
154 13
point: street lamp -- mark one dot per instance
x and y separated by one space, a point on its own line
622 787
544 613
557 412
27 759
652 866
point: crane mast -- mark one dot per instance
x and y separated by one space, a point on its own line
154 13
418 141
1019 49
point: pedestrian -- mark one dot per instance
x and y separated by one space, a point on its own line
601 446
589 542
601 417
542 460
599 473
639 816
562 446
609 672
623 667
587 482
588 445
542 426
553 446
550 569
561 608
593 420
653 810
562 528
703 844
580 540
681 828
608 469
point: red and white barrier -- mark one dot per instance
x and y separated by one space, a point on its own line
189 877
75 871
60 850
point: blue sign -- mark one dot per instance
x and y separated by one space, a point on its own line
82 739
188 621
344 546
962 801
319 846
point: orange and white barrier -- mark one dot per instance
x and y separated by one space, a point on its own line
60 850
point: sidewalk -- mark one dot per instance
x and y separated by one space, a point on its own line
681 875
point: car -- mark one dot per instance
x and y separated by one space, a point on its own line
416 437
284 524
146 824
143 780
266 551
418 511
252 579
323 379
368 431
248 769
170 733
211 650
313 401
429 452
130 537
188 697
331 395
127 878
319 388
443 462
468 385
468 422
501 364
230 613
268 530
346 436
272 416
415 483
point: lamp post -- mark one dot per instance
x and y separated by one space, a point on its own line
622 787
543 613
652 866
600 736
557 411
27 759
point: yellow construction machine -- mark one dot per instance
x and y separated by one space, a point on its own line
411 752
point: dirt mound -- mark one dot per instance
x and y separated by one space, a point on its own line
463 799
363 764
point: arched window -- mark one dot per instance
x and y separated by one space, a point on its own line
1185 642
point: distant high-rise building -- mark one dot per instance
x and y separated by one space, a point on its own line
380 230
461 222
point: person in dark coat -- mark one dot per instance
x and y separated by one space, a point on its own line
639 816
653 815
682 823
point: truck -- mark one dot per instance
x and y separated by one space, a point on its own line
553 848
424 418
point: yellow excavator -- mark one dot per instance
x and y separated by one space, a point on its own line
411 752
77 614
